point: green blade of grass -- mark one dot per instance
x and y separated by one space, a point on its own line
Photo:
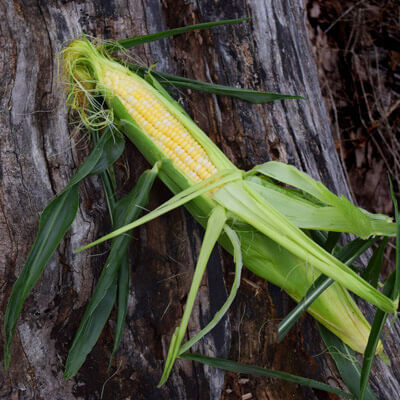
240 368
391 289
138 40
55 220
132 206
252 96
346 363
347 255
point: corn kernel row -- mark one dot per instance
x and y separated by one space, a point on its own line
166 131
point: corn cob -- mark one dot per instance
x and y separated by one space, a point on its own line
272 246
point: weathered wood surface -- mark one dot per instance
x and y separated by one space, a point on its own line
40 151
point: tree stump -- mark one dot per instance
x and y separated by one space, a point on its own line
40 150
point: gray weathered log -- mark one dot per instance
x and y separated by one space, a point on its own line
40 150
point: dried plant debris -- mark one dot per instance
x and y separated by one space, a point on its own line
357 50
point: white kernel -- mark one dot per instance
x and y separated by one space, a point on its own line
178 150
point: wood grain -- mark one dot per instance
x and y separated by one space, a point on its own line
40 150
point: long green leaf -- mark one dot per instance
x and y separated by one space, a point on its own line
108 181
55 220
371 273
348 254
132 206
105 152
112 150
396 289
373 340
346 362
237 255
252 96
138 40
122 303
391 289
90 331
233 366
214 228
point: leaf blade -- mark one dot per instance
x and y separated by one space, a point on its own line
234 366
345 361
49 235
251 96
138 40
347 255
127 209
391 289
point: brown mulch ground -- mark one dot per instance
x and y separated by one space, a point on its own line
357 49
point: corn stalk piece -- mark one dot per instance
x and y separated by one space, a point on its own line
213 189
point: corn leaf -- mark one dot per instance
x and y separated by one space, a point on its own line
138 40
391 288
346 363
239 368
113 148
237 256
322 283
90 330
105 152
396 289
94 316
373 340
371 273
122 303
338 214
214 229
252 96
124 270
331 241
55 220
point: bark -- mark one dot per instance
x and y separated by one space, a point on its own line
40 149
